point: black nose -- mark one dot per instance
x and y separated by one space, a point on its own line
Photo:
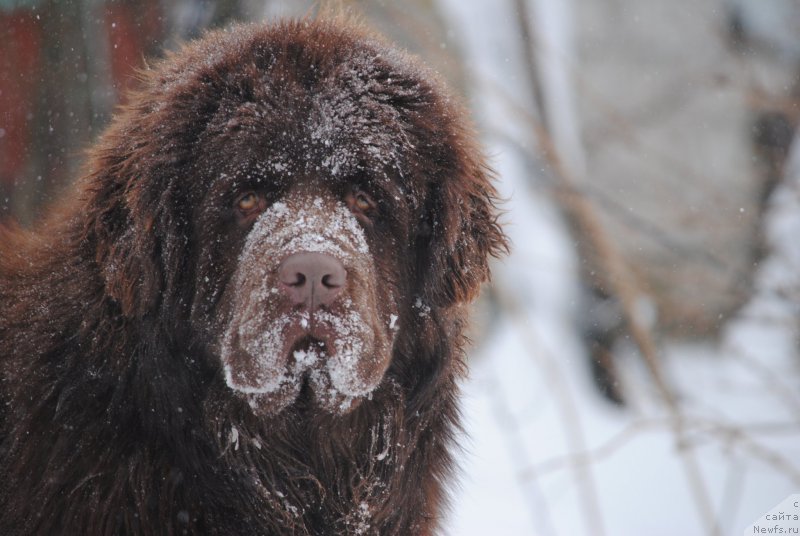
311 279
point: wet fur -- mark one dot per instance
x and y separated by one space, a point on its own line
116 418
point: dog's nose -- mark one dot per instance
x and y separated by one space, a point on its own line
312 279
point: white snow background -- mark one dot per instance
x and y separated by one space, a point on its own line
543 454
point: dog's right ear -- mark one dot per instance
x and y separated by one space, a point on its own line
127 194
126 243
132 188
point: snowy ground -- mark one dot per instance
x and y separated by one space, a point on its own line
544 455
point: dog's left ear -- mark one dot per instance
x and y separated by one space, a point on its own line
464 234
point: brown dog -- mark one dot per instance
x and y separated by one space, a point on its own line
247 320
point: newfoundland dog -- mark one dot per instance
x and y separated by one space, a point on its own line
247 317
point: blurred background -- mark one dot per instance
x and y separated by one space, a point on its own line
636 366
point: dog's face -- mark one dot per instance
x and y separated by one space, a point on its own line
306 306
288 203
303 290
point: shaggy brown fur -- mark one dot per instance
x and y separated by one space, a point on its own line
126 318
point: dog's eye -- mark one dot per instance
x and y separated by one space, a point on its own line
248 206
361 204
248 202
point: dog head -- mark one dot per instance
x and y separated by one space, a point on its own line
284 196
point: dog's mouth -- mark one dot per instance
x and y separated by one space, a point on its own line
330 360
308 359
307 343
306 353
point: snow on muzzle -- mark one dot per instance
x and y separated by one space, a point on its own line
273 345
